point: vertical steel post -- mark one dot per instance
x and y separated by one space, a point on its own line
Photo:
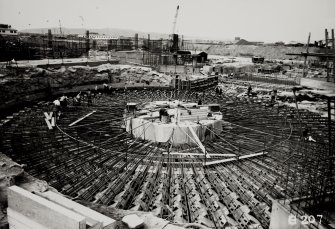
327 63
296 104
305 62
329 126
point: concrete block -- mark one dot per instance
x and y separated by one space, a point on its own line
42 211
133 221
92 217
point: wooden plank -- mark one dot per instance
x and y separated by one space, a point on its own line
201 154
42 211
252 155
18 221
75 122
234 159
219 161
92 217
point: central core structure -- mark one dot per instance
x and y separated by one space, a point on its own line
174 122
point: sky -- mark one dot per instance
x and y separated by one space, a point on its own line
253 20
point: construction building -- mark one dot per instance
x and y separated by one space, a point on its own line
152 135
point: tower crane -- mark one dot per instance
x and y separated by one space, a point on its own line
174 37
175 20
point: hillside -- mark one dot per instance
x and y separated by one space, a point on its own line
107 31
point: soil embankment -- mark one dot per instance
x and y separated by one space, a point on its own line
267 51
21 86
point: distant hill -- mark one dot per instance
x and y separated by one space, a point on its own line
104 31
115 32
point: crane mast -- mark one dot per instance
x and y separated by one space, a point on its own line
175 20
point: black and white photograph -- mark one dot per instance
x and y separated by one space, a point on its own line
167 114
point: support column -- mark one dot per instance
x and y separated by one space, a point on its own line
87 42
327 63
136 41
305 62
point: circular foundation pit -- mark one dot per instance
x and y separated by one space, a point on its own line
174 122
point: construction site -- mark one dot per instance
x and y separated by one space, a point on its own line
100 131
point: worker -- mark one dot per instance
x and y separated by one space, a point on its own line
56 109
95 92
77 99
63 101
199 102
89 98
110 90
249 90
307 136
105 86
273 96
161 113
164 116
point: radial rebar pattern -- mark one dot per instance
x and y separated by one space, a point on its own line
98 161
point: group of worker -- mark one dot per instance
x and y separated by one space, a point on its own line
107 89
61 103
273 94
90 95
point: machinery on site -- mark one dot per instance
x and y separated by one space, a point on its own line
174 37
257 60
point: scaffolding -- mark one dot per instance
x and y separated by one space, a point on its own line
327 55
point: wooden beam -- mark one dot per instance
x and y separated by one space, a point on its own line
42 211
201 154
235 158
75 122
92 217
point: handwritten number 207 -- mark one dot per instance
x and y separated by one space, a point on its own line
307 219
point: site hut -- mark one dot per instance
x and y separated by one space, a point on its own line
200 57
